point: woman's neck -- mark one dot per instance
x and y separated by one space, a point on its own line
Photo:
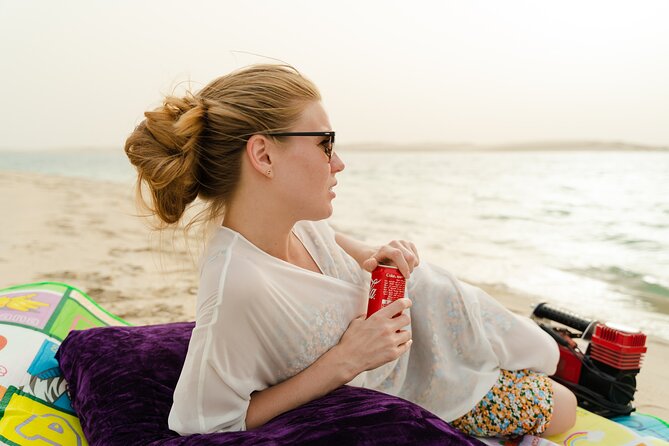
269 233
277 241
264 220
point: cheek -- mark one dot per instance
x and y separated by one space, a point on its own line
313 176
311 184
306 177
302 183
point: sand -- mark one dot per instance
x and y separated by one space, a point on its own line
88 234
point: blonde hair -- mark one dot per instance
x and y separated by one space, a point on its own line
192 146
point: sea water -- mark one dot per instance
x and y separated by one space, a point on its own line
587 231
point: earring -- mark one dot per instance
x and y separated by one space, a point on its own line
269 172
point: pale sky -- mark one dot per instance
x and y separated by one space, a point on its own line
81 73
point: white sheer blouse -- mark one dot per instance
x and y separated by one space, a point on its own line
261 320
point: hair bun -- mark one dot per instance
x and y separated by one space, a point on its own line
178 123
163 148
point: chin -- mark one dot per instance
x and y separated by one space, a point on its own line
323 213
330 210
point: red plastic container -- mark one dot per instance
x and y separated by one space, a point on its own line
618 346
569 367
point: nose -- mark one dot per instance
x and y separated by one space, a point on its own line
336 164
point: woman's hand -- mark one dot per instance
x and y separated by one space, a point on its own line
366 345
399 253
370 343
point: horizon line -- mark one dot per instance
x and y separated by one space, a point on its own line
538 144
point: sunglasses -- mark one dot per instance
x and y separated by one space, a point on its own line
327 144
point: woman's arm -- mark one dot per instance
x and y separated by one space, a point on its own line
325 375
356 249
400 253
366 345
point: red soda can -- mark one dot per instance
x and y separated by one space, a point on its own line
386 287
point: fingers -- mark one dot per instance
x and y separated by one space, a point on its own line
370 264
403 343
379 339
402 337
394 315
412 248
399 253
394 308
405 347
401 321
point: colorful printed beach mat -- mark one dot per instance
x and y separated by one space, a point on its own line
593 430
34 319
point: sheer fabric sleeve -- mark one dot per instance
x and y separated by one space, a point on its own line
331 258
213 393
518 342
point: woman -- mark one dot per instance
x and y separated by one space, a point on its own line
282 297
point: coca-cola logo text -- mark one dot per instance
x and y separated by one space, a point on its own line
372 290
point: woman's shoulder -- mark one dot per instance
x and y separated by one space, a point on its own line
233 269
229 254
228 242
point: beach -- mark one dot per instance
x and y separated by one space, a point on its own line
88 234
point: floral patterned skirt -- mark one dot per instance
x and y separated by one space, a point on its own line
521 402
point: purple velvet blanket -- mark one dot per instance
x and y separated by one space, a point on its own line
121 381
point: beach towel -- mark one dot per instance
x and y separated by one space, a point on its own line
592 429
34 319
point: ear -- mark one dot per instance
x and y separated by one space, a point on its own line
258 149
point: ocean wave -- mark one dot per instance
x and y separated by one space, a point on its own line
654 225
636 283
556 212
501 217
637 243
